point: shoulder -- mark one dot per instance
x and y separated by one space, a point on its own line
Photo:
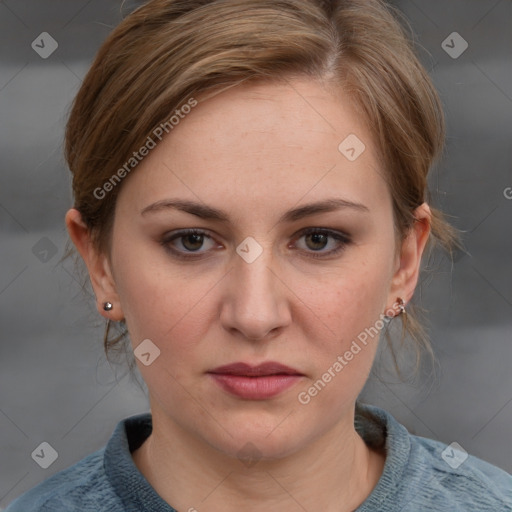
82 487
100 481
428 475
447 474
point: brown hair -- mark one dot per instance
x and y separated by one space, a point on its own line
169 51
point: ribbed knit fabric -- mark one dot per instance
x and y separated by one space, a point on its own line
416 478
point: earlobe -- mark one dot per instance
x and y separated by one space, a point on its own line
412 249
98 266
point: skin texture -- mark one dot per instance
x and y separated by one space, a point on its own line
255 152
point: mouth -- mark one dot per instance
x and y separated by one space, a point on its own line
261 370
260 382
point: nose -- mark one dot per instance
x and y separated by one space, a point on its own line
256 301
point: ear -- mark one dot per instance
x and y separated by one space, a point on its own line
408 266
97 264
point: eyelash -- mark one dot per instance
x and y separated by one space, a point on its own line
343 240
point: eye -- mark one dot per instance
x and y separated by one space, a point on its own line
186 241
317 239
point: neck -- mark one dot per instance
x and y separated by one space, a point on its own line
335 472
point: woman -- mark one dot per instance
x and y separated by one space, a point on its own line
251 204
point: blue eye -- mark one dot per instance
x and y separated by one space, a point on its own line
187 244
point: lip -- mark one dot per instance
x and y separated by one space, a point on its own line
263 369
259 382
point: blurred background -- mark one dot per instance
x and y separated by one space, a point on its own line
55 383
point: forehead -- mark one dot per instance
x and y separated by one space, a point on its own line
263 143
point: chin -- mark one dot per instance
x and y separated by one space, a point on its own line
252 437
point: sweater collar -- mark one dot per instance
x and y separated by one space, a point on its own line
377 428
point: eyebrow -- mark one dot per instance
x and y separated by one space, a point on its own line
209 213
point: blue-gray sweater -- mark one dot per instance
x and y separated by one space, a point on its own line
420 475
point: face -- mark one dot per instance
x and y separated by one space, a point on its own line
262 278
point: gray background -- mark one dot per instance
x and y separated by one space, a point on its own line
55 384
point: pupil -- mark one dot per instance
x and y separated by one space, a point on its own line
197 239
318 238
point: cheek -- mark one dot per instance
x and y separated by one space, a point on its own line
348 300
158 305
169 312
343 331
172 307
